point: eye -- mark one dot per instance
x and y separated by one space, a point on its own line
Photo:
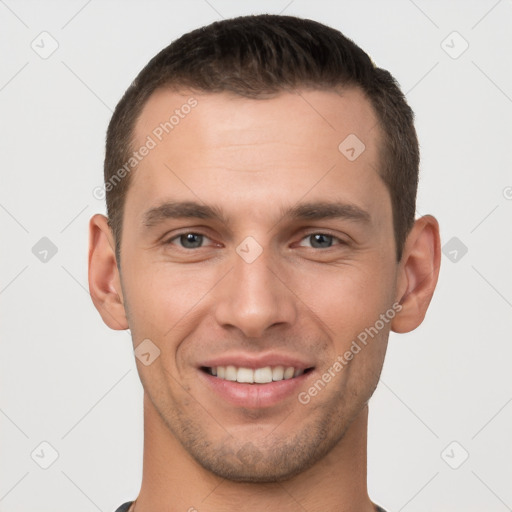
189 240
319 241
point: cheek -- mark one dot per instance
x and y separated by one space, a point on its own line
348 304
158 297
349 298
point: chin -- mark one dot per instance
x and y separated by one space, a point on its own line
272 464
264 473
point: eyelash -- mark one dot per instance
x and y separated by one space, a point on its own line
177 237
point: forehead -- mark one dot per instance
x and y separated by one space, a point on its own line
225 117
260 151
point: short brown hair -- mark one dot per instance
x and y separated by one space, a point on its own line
258 56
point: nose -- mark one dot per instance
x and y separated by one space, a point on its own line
254 297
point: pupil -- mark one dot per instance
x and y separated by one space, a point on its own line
321 241
191 240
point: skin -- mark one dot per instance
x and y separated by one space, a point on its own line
255 159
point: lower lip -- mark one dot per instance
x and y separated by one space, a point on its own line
255 396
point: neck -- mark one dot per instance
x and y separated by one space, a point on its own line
172 480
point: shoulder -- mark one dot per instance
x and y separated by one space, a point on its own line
125 506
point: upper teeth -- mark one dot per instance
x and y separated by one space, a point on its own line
258 375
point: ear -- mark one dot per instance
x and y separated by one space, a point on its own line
418 273
104 279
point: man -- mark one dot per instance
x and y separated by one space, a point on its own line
260 244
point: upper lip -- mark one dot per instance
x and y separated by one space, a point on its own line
253 361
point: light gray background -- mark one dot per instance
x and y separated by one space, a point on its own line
67 380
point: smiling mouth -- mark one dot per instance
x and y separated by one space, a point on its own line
262 375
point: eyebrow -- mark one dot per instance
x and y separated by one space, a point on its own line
182 210
322 210
319 210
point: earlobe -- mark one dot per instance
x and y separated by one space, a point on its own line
418 273
104 279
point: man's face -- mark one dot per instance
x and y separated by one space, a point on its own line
275 280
